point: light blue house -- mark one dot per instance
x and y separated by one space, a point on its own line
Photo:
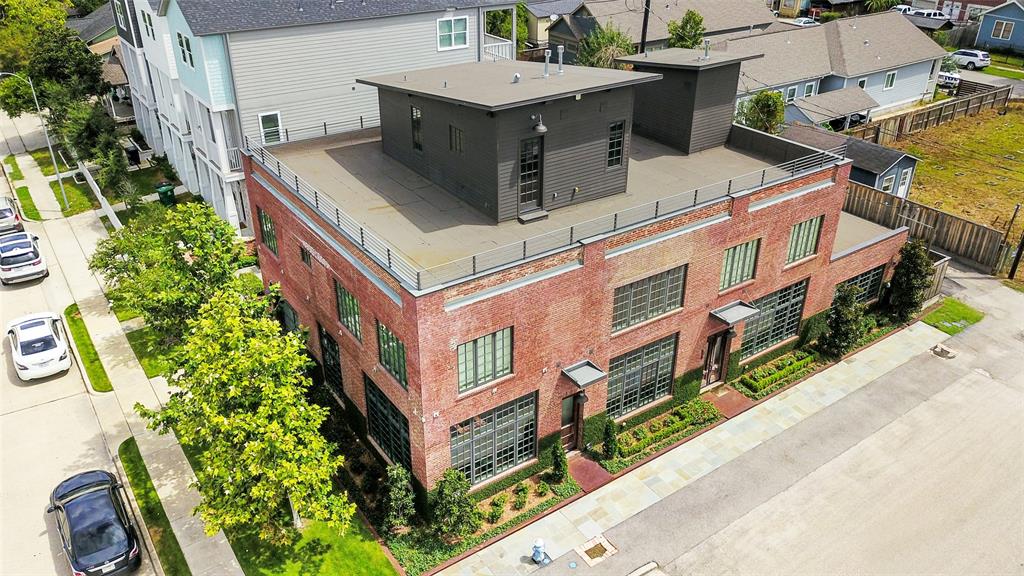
1002 28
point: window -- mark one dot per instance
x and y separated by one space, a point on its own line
890 80
287 316
147 22
647 298
496 440
869 282
808 89
790 94
307 259
778 318
119 13
530 164
1002 30
862 83
739 264
484 359
616 138
887 183
386 424
391 352
416 117
803 239
267 234
452 33
348 310
185 49
331 357
270 127
640 377
455 139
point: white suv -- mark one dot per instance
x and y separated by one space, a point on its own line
971 59
930 14
20 258
902 9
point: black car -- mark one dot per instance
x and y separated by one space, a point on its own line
96 531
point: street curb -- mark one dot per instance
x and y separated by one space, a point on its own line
140 521
78 359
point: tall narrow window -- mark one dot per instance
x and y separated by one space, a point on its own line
616 138
530 153
808 89
185 48
270 127
455 139
739 264
803 239
647 298
777 319
391 352
267 233
119 13
452 33
331 357
386 425
485 359
416 117
890 80
348 310
640 377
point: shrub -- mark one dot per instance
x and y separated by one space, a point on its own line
455 513
559 463
911 278
519 502
542 489
698 412
165 167
640 433
845 322
520 488
653 427
829 16
610 448
494 514
399 504
499 501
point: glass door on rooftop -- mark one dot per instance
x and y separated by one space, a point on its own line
530 159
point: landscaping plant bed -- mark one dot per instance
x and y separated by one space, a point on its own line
777 374
645 440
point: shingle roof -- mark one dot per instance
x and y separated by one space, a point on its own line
926 23
545 8
113 69
206 17
789 57
95 23
835 104
865 155
719 15
864 44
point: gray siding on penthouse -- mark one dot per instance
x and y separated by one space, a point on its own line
308 73
131 21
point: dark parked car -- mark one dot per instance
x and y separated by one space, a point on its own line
96 532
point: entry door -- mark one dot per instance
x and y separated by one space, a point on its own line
531 154
904 182
569 414
714 362
331 358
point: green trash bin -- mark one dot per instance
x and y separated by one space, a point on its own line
165 190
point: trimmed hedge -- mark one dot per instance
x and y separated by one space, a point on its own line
635 445
767 379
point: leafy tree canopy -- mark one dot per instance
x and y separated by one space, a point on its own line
910 280
602 46
87 128
499 23
764 111
880 5
687 32
845 322
21 23
455 513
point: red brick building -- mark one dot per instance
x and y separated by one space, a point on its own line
471 328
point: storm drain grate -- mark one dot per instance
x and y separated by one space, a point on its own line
595 550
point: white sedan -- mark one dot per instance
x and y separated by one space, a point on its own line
39 347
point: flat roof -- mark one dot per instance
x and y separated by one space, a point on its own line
429 227
493 86
854 231
687 58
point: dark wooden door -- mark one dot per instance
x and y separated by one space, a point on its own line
569 417
714 361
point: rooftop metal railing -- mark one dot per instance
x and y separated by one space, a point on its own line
419 278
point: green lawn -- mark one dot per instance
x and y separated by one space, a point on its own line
1003 72
80 198
42 158
128 215
152 354
122 313
28 205
320 550
86 351
167 548
15 170
953 316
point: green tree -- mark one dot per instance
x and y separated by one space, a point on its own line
880 5
559 463
88 129
114 171
829 16
948 64
610 444
130 194
845 320
764 111
240 403
687 32
602 46
911 278
399 505
169 266
499 23
455 513
21 22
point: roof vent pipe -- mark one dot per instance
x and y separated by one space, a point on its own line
547 60
561 50
707 49
516 77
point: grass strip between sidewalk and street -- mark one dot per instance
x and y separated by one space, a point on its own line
953 316
167 548
152 355
80 198
86 351
28 205
45 163
14 171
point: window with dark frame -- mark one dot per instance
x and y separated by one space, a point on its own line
267 233
485 359
391 353
455 139
304 254
803 239
287 316
331 357
870 284
529 172
416 116
640 377
348 310
647 298
739 264
185 47
386 424
616 141
497 440
778 319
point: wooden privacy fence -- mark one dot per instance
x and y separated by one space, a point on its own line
973 97
977 244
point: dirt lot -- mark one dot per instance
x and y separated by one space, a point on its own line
972 167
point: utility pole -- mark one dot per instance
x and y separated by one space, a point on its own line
643 30
1010 226
1016 259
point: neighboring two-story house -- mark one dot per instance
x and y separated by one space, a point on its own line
1002 28
519 249
964 11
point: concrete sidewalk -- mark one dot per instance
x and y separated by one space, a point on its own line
39 187
648 485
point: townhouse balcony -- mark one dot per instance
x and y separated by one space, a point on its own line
497 48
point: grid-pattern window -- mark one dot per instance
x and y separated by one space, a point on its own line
455 139
529 171
616 139
803 239
267 233
147 21
305 256
739 264
452 33
185 49
870 283
496 440
348 310
119 13
391 352
484 359
386 424
331 357
640 377
416 116
287 316
647 298
778 318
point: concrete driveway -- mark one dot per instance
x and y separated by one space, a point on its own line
974 76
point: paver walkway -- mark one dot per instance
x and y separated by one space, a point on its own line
647 485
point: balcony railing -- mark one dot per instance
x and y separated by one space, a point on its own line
498 48
417 278
234 159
